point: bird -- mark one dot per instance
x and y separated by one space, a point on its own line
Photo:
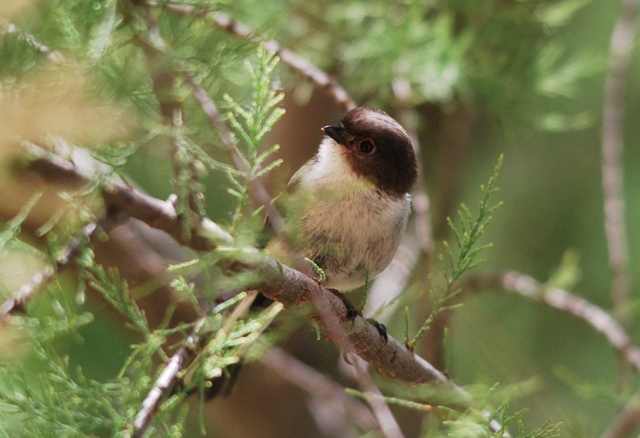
346 211
348 206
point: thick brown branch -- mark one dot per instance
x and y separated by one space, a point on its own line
274 280
279 282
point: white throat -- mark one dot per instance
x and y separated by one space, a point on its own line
330 167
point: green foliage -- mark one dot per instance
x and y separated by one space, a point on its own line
66 403
443 53
10 230
475 423
251 125
54 401
465 259
116 292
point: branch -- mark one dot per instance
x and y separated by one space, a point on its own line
19 299
121 197
54 57
257 190
295 62
276 281
612 150
373 396
165 381
626 421
565 301
319 386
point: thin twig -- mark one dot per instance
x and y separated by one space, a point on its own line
626 421
387 422
165 381
52 56
295 62
388 286
257 189
19 299
612 150
318 385
124 198
565 301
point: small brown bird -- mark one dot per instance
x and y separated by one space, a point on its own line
349 204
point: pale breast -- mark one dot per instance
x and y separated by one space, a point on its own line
341 221
355 236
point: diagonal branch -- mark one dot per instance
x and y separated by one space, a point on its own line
52 56
276 281
281 283
39 280
295 62
169 376
319 386
579 307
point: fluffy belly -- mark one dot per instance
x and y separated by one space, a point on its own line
353 238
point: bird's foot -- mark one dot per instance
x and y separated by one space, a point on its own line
382 329
351 311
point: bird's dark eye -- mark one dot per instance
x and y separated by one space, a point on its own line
366 145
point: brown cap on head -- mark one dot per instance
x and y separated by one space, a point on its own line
377 147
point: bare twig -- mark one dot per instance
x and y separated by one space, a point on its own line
318 385
20 298
165 381
40 279
612 149
121 197
388 286
565 301
52 56
257 189
387 422
626 421
297 63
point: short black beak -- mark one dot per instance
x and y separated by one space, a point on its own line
337 133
